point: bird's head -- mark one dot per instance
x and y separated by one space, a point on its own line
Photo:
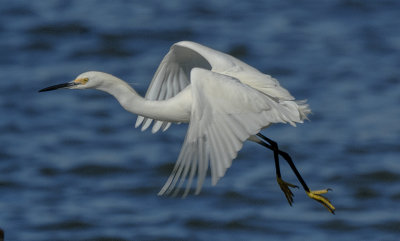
87 80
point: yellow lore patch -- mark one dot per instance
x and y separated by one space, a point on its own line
81 80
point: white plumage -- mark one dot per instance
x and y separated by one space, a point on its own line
230 101
224 100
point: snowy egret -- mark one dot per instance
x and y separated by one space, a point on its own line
224 100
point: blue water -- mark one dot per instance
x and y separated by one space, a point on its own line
73 167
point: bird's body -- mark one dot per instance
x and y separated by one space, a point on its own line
224 100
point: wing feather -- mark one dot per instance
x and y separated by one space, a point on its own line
219 124
203 164
171 77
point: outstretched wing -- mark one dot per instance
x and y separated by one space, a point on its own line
225 112
172 76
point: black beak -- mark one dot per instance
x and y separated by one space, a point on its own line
59 86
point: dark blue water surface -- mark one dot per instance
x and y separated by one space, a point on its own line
73 167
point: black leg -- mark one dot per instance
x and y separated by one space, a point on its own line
285 186
288 159
275 149
316 195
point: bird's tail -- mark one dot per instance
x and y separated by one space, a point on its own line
294 111
304 109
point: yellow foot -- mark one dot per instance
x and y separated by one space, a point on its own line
286 190
316 195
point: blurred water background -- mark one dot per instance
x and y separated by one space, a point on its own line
73 167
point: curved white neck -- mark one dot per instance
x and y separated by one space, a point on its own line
176 109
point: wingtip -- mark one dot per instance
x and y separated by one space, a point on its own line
139 121
146 124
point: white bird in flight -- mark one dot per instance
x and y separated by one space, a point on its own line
224 100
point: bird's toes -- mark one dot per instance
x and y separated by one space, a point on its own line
316 195
285 187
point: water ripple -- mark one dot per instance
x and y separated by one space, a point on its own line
72 167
